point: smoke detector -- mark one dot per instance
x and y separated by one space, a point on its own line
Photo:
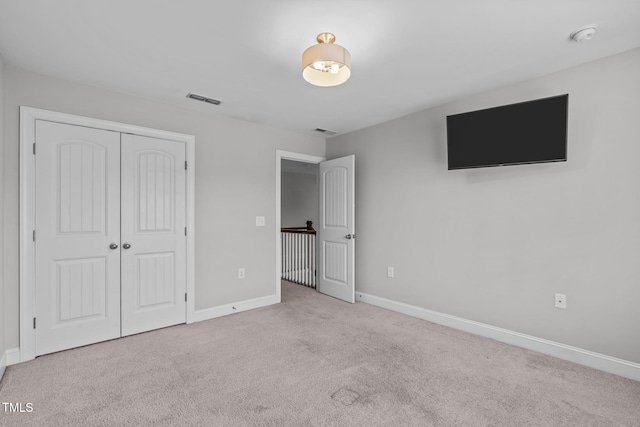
583 34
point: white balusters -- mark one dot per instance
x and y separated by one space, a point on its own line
299 255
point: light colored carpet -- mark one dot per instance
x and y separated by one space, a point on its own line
313 360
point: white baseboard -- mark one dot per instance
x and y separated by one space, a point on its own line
3 364
577 355
13 356
9 357
237 307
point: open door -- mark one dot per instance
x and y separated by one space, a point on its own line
336 231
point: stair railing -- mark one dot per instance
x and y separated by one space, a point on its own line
299 254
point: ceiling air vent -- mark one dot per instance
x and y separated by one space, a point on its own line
326 132
204 99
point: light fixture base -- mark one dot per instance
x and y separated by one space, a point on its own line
326 38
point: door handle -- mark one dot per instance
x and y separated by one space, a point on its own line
349 236
126 246
113 246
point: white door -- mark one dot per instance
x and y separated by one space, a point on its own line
336 233
77 217
153 251
110 244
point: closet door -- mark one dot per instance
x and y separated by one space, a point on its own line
153 233
77 236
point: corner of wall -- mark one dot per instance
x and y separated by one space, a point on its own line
3 360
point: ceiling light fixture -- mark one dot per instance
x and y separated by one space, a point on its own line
326 64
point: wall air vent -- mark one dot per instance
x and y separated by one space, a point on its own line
204 99
325 131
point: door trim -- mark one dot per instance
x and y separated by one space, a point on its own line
285 155
28 117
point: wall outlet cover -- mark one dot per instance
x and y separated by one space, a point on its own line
561 301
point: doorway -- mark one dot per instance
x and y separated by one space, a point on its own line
299 216
336 224
289 157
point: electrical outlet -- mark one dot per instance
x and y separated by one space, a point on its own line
561 301
390 272
241 273
260 221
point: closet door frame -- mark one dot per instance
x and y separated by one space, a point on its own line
28 117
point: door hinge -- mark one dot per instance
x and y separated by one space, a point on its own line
34 235
185 165
185 297
34 323
185 231
34 148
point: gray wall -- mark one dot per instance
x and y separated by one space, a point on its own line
3 347
235 182
493 245
299 196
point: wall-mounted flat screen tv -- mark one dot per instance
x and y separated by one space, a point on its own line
527 132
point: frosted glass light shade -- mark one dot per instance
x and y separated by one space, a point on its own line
326 64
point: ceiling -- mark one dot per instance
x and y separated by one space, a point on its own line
407 55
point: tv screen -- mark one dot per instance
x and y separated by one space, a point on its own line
527 132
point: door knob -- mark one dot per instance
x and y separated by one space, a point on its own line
113 246
348 236
126 246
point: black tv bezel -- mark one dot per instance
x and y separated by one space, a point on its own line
566 137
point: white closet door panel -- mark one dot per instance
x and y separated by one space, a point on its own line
153 224
77 275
